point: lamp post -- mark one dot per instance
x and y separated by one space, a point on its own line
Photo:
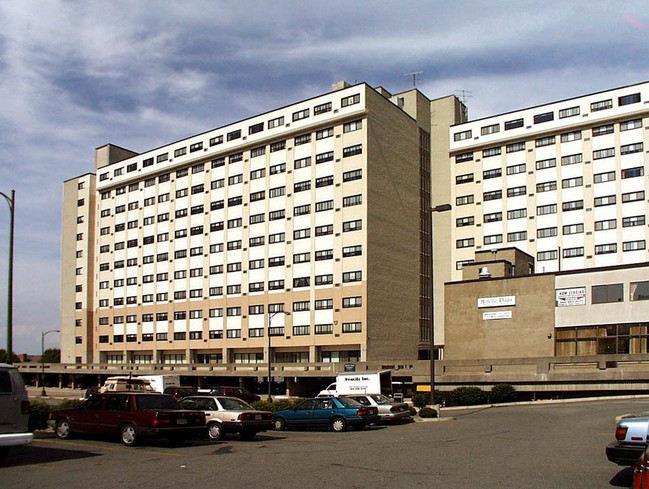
43 335
270 318
11 201
431 336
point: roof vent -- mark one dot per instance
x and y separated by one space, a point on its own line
339 85
484 273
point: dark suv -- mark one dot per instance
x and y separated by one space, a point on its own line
226 390
180 392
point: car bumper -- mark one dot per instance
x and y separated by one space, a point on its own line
11 439
626 455
187 431
248 426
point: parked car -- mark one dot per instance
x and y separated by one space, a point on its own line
127 384
641 472
14 409
389 411
336 412
131 415
630 440
226 390
229 415
180 392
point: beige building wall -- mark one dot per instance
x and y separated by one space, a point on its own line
529 332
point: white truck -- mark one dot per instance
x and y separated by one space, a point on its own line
360 383
160 382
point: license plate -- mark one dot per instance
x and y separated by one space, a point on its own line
181 421
258 417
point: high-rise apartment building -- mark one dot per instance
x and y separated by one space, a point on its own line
306 228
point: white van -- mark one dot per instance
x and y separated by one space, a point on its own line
121 384
14 409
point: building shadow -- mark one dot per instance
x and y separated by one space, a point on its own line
25 455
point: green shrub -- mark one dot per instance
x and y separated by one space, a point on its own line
39 412
413 411
502 393
421 399
427 412
275 406
282 405
468 396
262 405
69 403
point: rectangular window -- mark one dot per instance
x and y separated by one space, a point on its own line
322 108
574 205
275 215
325 230
465 243
633 172
216 140
633 196
606 249
466 178
491 129
302 139
633 221
601 105
603 130
255 128
324 279
352 200
604 177
352 225
634 245
571 159
493 239
515 169
573 252
545 117
355 276
487 174
606 200
495 151
302 210
352 126
464 200
324 133
260 151
493 217
634 98
516 213
234 135
461 136
180 152
631 148
351 100
352 175
324 157
326 205
493 195
605 225
633 124
348 251
516 191
546 186
639 291
573 229
514 124
300 114
572 182
546 232
602 294
352 327
543 164
464 157
352 150
517 236
302 257
302 186
324 255
546 255
515 147
324 181
301 233
302 163
545 141
464 221
569 112
301 282
278 121
570 136
235 157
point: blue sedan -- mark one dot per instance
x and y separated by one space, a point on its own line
335 412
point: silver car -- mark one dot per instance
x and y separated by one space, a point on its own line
14 409
388 409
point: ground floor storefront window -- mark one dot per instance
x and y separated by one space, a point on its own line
609 339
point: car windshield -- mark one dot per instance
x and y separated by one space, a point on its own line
157 402
234 404
349 403
381 399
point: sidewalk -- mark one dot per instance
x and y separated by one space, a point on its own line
54 393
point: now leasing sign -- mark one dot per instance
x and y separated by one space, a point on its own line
506 300
571 297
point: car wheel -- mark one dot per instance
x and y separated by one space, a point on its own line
62 429
215 431
279 424
338 424
128 435
248 435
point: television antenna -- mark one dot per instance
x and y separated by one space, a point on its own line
463 95
414 77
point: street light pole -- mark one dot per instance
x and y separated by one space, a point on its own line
270 317
431 336
43 335
11 201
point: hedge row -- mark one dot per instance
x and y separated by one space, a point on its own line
468 396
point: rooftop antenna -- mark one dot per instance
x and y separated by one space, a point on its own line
414 77
464 94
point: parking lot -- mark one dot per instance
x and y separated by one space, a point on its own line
539 445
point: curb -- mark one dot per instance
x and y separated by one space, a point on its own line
417 419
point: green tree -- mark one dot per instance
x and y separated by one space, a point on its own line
52 355
4 357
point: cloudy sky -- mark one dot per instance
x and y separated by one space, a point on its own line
76 75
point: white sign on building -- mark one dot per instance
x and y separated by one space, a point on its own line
506 300
575 296
488 316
